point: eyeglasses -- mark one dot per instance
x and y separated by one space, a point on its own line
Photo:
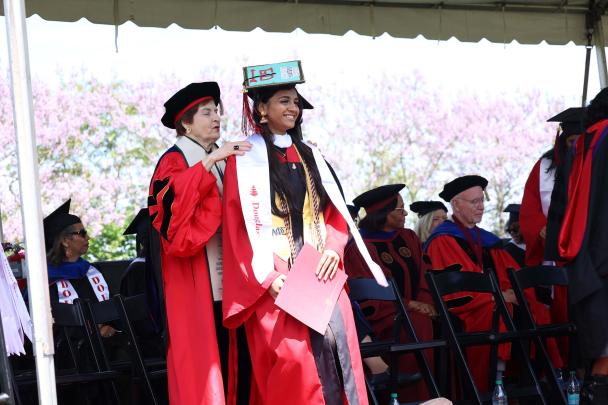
475 202
82 233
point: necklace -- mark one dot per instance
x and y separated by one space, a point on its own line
284 155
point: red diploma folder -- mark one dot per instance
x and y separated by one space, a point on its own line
305 297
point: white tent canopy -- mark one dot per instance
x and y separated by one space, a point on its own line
526 21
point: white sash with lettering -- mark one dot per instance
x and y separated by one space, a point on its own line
67 292
194 153
16 320
254 191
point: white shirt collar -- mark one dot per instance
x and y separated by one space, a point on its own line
282 141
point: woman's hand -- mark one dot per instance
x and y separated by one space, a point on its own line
106 331
227 149
276 286
422 308
509 296
326 270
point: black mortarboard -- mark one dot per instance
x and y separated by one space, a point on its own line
513 210
56 222
460 184
378 198
353 210
424 207
187 98
139 224
571 120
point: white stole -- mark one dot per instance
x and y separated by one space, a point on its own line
254 191
194 153
546 181
67 292
15 319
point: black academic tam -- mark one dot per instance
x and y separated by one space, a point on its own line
371 199
460 184
187 98
424 207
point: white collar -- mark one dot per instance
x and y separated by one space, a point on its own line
282 141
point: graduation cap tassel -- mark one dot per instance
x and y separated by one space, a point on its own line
556 158
248 124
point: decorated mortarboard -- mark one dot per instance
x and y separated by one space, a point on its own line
460 184
186 98
570 120
139 224
378 198
273 74
260 78
57 221
513 210
424 207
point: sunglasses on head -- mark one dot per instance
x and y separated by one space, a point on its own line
82 233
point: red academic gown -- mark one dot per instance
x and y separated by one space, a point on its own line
399 254
476 309
284 368
531 221
185 208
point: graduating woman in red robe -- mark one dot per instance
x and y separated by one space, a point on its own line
276 198
185 209
398 252
544 197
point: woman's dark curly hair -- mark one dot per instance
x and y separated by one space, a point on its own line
278 182
375 221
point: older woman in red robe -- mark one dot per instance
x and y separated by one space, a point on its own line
185 209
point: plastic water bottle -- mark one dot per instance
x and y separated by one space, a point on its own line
500 396
394 400
573 390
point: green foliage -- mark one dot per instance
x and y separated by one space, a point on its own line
111 244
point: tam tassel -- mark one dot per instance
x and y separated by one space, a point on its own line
248 124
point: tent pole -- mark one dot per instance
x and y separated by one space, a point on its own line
588 48
31 210
600 51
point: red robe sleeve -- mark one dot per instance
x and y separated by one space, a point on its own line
184 204
444 251
532 219
241 290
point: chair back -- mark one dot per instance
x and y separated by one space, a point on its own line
538 276
363 289
104 311
450 282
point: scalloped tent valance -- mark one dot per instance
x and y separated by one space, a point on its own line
527 22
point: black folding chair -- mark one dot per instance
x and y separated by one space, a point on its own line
140 368
73 339
533 277
368 289
442 283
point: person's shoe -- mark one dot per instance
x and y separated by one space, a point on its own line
595 390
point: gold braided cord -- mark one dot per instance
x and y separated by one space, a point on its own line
314 201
